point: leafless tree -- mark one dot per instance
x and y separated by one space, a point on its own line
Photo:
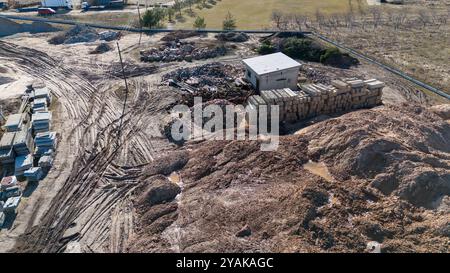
350 6
299 21
376 16
277 18
319 18
424 18
349 20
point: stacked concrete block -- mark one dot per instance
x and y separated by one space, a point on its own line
7 154
41 121
317 99
22 143
39 105
14 122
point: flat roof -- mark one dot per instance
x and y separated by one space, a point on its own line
271 63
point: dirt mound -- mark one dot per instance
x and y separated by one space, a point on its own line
179 35
390 169
9 27
442 110
82 34
238 37
405 155
101 48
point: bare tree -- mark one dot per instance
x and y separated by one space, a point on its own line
376 16
349 20
299 21
319 18
424 18
277 18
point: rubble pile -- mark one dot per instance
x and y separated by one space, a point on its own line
317 99
209 76
181 50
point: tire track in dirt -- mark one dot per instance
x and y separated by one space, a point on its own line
93 122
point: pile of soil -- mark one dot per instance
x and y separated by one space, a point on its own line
82 34
237 37
390 185
101 48
179 35
9 27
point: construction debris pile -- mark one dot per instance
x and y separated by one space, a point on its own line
317 99
27 147
210 81
210 77
83 34
181 50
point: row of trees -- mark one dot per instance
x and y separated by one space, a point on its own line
154 18
373 17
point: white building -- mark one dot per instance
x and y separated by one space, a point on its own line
273 71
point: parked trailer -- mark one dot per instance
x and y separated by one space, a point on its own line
55 4
27 9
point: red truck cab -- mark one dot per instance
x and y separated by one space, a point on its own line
46 11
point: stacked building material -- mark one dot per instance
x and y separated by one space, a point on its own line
43 92
11 204
41 121
317 99
39 105
8 182
10 192
14 122
46 161
22 143
23 163
6 148
45 143
34 174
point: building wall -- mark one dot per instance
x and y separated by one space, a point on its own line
276 80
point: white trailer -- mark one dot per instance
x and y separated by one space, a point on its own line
57 4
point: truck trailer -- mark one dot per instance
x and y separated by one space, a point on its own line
57 4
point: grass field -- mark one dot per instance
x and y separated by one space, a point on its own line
255 14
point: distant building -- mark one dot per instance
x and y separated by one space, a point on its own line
273 71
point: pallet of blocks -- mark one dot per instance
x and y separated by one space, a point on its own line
7 153
42 93
39 105
285 100
22 143
41 121
254 103
34 174
45 143
22 163
14 122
